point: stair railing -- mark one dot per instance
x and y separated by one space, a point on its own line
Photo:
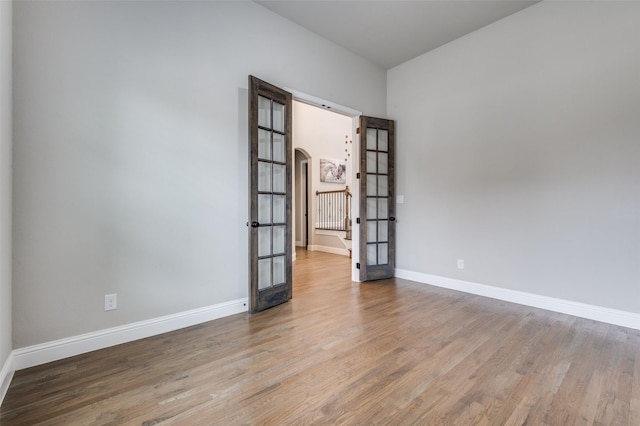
334 211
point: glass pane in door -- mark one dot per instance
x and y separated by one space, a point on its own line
278 116
383 254
264 176
264 209
372 208
372 231
264 112
278 270
279 153
383 208
264 145
383 186
372 184
372 253
264 241
279 178
383 161
278 239
264 273
372 139
383 140
279 208
383 230
372 162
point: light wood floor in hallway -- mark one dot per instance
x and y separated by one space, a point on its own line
389 352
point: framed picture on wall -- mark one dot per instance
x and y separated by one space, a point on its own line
332 171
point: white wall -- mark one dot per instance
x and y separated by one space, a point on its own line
323 134
518 150
131 152
5 184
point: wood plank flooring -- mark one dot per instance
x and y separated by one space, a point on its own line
388 352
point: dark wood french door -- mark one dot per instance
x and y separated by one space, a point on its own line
270 156
377 199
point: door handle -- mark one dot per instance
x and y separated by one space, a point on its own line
255 224
392 219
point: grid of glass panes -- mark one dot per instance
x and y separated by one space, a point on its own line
272 195
377 167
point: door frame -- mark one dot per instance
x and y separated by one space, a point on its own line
301 206
305 225
355 153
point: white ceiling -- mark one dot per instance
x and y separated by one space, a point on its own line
388 32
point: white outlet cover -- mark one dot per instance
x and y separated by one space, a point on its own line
110 302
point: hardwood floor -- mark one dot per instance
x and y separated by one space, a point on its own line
388 352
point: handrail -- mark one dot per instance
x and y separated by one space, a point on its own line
345 190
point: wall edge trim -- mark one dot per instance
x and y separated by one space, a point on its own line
578 309
6 375
31 356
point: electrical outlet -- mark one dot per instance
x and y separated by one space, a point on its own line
460 263
110 302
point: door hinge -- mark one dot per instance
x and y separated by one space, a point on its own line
358 265
358 131
358 175
357 220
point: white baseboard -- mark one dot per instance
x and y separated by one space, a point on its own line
597 313
6 374
299 244
63 348
333 250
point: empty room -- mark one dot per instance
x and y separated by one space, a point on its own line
319 212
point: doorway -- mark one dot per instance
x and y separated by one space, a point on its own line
301 196
271 219
323 135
